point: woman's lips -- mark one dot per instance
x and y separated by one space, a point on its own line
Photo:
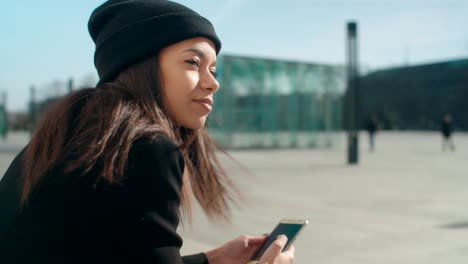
206 102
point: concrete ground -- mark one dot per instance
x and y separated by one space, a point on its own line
405 203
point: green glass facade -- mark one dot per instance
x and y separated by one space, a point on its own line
265 103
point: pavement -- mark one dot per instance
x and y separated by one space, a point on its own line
404 203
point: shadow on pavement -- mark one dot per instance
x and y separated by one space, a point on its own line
458 225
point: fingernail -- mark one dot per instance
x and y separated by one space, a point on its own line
282 236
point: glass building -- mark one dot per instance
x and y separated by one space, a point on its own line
417 97
268 103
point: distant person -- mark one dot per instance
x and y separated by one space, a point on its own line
371 128
110 170
4 134
446 128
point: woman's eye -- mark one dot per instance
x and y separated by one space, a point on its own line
214 73
193 62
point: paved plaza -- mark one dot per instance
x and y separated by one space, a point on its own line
405 203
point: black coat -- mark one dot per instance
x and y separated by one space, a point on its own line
71 219
446 129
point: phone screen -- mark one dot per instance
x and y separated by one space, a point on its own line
290 230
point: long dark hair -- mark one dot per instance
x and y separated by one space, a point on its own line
93 129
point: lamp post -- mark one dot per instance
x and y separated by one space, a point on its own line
352 94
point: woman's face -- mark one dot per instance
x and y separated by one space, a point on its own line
188 80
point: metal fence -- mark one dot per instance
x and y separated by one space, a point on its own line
43 96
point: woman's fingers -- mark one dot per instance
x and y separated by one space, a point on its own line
274 250
290 251
287 257
251 240
258 240
280 241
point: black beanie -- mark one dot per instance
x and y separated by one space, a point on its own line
128 31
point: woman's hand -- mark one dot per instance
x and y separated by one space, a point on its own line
237 251
273 254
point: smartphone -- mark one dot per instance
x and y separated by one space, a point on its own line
288 227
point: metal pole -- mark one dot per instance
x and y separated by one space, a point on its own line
352 94
4 114
32 109
70 85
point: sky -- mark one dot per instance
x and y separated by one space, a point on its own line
47 41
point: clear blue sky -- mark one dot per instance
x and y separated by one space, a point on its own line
47 40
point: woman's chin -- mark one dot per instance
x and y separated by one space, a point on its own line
195 124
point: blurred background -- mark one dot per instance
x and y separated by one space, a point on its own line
350 113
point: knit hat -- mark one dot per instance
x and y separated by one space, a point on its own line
128 31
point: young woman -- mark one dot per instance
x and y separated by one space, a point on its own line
109 168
